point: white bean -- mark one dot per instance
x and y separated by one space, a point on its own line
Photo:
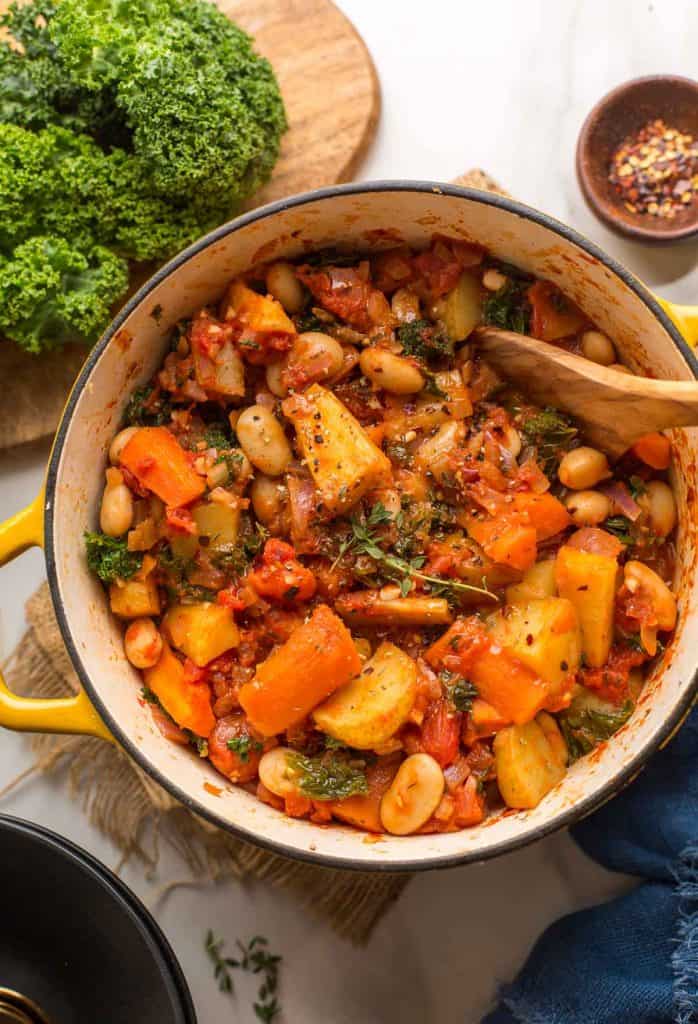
598 348
119 443
274 376
267 499
413 796
640 578
316 356
588 508
143 643
116 512
283 284
405 305
263 441
582 468
276 773
493 280
660 503
390 372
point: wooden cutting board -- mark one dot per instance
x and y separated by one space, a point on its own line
332 98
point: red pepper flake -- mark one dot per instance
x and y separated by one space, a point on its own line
655 171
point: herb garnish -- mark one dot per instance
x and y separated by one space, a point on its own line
508 308
242 745
254 959
583 728
460 691
620 527
328 776
109 557
364 541
145 409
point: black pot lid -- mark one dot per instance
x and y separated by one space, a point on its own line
76 942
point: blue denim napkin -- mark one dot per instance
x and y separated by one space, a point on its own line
633 960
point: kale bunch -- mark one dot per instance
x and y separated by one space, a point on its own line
128 128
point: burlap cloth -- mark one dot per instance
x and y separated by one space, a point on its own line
136 813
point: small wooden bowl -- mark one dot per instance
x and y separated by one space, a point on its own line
621 113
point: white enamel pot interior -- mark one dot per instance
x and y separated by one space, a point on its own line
364 217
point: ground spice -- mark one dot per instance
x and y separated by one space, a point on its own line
656 170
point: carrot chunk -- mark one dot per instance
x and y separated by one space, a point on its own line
187 702
316 660
654 450
158 462
505 539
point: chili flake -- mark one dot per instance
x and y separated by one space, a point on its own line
656 170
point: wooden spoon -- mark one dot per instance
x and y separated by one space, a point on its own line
614 408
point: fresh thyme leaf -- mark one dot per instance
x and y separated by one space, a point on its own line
327 776
620 527
363 541
255 958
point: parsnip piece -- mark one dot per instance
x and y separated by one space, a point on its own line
530 760
342 459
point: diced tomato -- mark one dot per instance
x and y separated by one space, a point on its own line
180 520
235 749
281 577
443 263
441 732
208 335
553 316
392 269
231 598
611 680
347 292
469 804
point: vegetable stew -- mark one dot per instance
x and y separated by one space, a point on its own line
360 573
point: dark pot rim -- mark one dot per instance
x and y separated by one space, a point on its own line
163 957
564 818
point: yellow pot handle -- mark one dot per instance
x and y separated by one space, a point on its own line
35 714
685 318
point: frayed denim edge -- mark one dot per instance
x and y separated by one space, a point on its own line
684 960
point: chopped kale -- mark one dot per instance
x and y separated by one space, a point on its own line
328 776
109 557
243 746
508 308
424 340
146 408
217 435
551 433
308 322
584 727
621 527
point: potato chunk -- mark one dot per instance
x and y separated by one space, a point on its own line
371 708
538 581
202 631
342 459
543 634
214 520
589 582
135 598
530 760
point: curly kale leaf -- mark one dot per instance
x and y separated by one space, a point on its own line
109 557
52 293
551 433
584 727
147 408
508 308
424 340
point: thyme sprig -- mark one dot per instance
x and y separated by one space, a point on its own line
255 958
363 540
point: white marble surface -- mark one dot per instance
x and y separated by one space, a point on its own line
504 86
